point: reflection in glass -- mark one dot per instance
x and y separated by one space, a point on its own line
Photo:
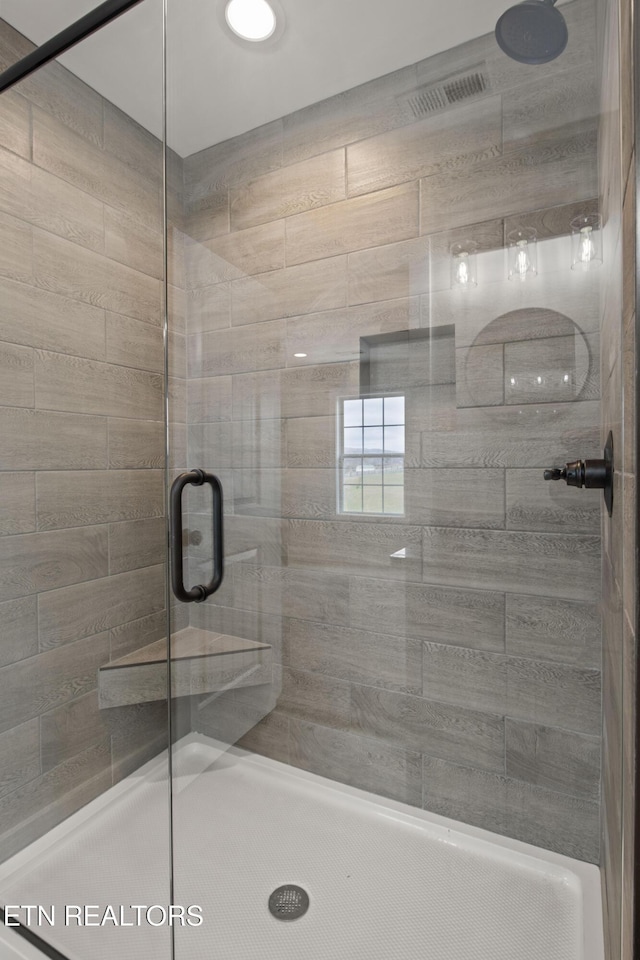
463 265
393 500
547 368
394 410
352 413
353 440
372 500
393 440
373 411
586 242
373 440
372 470
372 456
523 263
352 470
394 471
353 499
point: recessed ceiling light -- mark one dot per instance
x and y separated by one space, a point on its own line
300 355
251 19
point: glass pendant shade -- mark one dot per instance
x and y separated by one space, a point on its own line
522 254
464 265
586 242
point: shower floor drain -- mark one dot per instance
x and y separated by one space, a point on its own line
289 902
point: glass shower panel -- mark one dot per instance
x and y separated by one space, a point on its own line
84 798
397 571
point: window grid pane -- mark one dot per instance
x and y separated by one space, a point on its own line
353 440
373 416
372 455
352 413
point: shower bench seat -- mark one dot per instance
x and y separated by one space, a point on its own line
201 662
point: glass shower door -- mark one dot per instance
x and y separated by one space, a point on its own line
382 345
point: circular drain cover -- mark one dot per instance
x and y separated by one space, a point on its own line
289 902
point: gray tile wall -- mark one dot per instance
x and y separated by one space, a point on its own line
619 373
450 657
81 405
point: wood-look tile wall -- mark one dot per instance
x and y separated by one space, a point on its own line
619 374
449 658
81 410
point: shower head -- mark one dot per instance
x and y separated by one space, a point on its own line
532 32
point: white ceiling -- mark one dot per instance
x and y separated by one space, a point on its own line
220 87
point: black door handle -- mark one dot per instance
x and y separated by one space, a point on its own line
201 592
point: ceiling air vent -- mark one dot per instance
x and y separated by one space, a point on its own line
439 96
465 87
426 101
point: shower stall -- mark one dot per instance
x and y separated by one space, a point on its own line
318 634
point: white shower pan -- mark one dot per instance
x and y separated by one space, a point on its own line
385 881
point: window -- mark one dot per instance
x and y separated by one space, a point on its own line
371 474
